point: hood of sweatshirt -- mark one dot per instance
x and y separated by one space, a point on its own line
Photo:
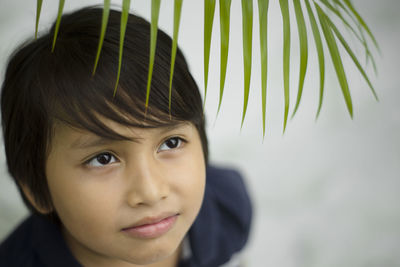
222 226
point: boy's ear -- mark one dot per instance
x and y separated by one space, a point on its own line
28 194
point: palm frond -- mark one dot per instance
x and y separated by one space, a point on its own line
209 11
224 16
263 20
126 4
341 10
59 14
247 21
177 19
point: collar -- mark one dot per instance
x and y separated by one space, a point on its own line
222 226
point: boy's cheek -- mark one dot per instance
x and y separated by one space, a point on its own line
82 206
189 178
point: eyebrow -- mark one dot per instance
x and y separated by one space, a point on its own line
96 141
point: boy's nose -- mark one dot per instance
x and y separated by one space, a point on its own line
147 183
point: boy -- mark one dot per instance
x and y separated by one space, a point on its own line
106 184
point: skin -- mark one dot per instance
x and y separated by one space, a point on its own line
98 196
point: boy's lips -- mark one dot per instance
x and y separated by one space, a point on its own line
152 227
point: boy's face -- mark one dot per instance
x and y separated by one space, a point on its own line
129 201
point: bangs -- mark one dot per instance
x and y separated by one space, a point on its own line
91 108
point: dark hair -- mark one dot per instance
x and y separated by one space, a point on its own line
41 88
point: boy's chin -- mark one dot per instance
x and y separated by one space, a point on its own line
151 256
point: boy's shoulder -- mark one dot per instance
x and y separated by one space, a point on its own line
16 249
228 186
222 227
36 242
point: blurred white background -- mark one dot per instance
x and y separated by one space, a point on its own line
326 193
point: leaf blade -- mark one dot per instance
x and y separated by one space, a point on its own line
104 21
362 22
362 38
225 10
263 21
336 59
58 21
286 56
155 11
352 55
301 25
320 53
124 22
177 18
247 21
38 10
340 16
209 11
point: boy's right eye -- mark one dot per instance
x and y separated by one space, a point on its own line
101 159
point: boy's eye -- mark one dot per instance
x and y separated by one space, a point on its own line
101 160
171 143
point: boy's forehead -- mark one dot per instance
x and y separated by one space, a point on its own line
79 138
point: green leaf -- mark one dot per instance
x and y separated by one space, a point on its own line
177 19
104 20
209 11
351 54
301 26
361 21
59 15
320 51
247 26
336 59
38 9
224 16
124 21
155 11
286 55
263 20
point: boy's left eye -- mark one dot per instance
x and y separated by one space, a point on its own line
101 160
171 143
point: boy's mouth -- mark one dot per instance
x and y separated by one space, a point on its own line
152 227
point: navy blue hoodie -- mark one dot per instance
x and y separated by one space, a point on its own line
219 232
